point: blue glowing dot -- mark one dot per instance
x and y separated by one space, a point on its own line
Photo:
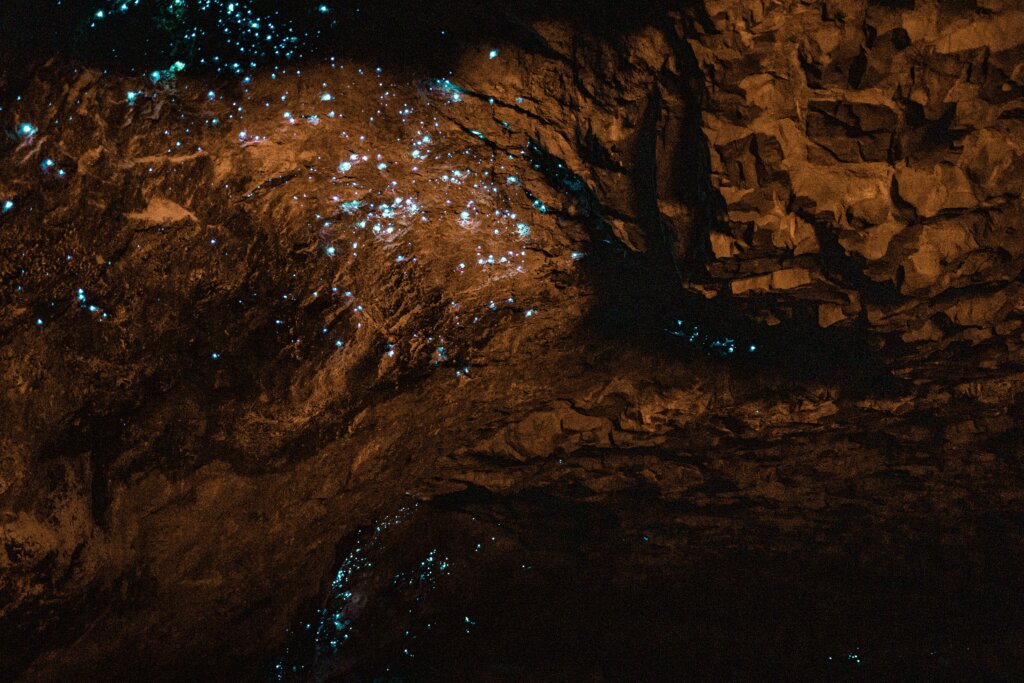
465 215
577 255
530 313
27 129
381 166
214 356
753 347
323 9
131 95
39 322
345 166
493 54
331 251
326 97
211 95
523 229
47 164
8 205
512 180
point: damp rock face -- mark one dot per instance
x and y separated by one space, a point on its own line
734 286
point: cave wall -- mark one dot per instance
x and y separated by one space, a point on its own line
187 443
868 157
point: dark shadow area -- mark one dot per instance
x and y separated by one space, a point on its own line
474 586
641 300
415 35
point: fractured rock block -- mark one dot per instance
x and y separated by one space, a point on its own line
984 310
872 242
828 191
935 245
724 246
931 191
784 279
852 131
830 314
995 33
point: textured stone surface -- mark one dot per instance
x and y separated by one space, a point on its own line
238 326
888 127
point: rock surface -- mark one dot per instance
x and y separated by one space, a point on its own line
885 136
755 264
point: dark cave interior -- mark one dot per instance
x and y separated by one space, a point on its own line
534 341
